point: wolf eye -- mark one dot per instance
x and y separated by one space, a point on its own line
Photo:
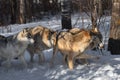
29 36
94 38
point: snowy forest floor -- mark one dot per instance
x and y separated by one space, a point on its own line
105 68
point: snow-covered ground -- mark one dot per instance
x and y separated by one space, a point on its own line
105 68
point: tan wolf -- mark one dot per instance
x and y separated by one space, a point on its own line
14 46
43 40
74 42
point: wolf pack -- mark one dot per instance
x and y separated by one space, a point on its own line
71 43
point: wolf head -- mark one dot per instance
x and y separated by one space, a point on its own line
96 39
25 37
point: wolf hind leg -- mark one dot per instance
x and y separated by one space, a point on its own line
64 59
7 63
41 57
31 57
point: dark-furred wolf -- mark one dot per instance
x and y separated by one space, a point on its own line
43 40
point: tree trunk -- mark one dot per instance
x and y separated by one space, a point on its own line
66 14
1 13
13 11
21 11
114 40
28 10
46 5
100 12
94 13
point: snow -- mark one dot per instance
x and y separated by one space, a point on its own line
105 68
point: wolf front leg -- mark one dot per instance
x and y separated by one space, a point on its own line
55 50
22 58
70 61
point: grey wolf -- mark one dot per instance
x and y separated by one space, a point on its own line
14 46
43 40
75 42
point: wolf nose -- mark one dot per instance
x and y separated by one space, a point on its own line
31 41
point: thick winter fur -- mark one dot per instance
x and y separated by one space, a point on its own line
14 46
43 40
74 42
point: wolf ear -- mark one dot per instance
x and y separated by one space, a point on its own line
96 29
24 30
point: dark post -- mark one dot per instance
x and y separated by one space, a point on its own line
13 11
66 14
114 39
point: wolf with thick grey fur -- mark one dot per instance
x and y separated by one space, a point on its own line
14 46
